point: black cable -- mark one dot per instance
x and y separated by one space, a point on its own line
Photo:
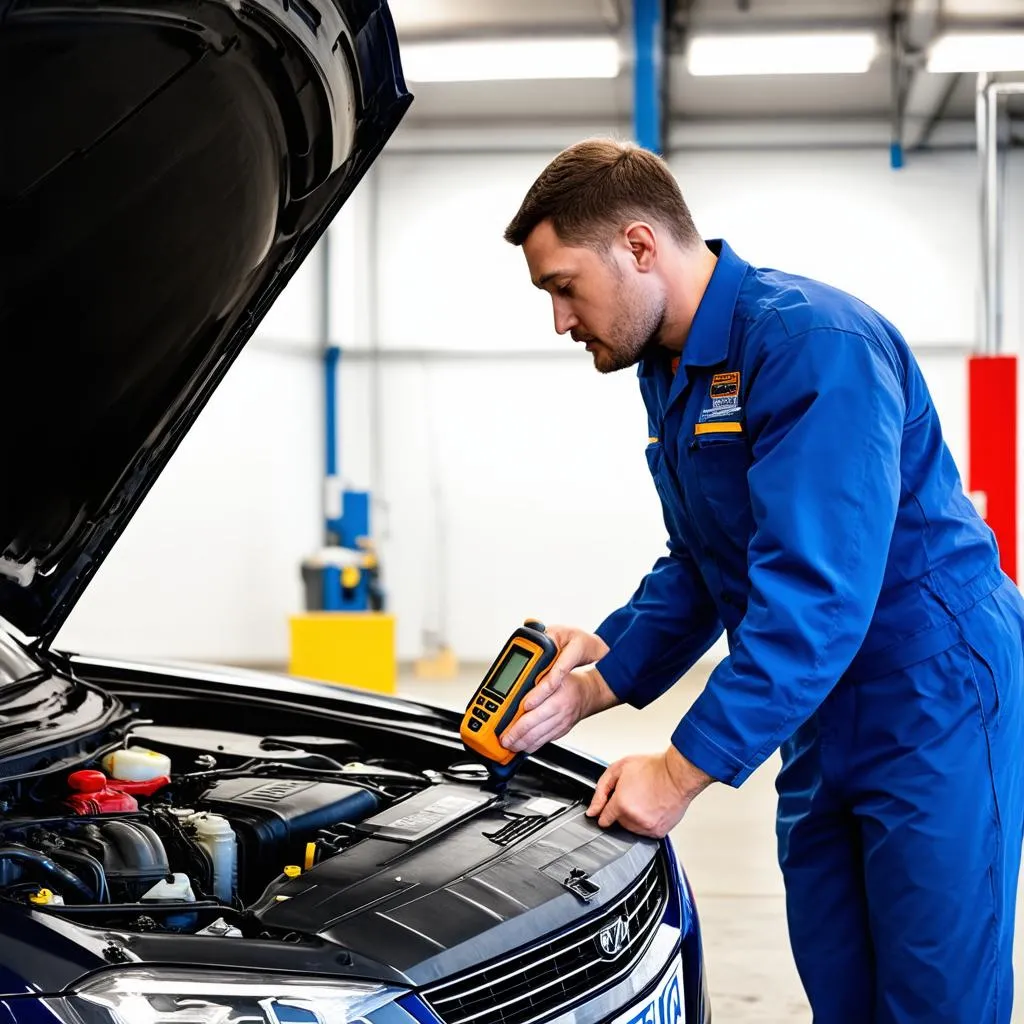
69 819
89 862
61 876
153 909
278 769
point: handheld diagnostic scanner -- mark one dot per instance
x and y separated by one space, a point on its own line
497 702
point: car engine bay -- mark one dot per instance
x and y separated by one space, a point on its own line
200 831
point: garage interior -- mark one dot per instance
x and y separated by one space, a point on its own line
409 368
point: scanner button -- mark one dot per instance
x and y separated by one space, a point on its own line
481 701
475 725
491 706
481 714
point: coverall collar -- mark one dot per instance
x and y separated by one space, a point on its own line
708 340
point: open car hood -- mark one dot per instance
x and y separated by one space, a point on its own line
166 166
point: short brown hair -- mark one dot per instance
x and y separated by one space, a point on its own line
592 188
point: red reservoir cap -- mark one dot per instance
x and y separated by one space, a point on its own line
92 795
87 781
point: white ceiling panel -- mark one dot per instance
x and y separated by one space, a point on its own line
797 96
460 17
982 9
555 100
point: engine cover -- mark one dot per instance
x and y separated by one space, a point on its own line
274 818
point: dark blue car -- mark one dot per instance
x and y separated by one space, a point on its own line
209 847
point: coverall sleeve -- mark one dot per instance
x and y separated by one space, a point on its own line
825 413
667 625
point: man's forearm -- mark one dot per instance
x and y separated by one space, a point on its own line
597 694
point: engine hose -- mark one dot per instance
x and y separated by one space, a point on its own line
24 824
47 866
91 864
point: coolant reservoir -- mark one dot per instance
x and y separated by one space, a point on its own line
136 764
217 837
178 887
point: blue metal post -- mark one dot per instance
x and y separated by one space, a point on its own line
647 28
332 357
333 500
331 595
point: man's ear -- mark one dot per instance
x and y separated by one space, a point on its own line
643 244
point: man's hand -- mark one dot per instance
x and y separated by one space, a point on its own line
648 793
565 694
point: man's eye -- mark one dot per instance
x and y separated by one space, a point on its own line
564 289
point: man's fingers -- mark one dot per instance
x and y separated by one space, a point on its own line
534 729
603 789
543 733
611 811
547 687
567 660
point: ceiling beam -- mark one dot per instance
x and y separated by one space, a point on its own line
927 95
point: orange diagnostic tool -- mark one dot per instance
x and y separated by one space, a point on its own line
498 700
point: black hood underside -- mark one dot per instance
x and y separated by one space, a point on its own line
164 170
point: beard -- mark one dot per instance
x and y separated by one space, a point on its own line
634 332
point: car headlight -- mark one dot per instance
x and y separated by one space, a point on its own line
201 997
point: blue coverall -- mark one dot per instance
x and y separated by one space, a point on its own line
815 513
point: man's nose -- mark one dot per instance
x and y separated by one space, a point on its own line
565 319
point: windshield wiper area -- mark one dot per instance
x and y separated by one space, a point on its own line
16 664
44 710
37 702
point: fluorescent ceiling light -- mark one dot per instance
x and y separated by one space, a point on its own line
977 51
767 53
484 60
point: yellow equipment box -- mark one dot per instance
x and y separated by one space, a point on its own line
353 648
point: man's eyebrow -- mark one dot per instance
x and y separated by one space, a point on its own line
545 278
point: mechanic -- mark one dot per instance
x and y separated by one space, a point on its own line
815 513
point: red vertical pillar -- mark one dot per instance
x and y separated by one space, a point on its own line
992 448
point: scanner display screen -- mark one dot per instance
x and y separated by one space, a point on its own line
508 672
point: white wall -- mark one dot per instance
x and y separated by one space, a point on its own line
209 566
509 477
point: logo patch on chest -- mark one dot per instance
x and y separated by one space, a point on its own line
725 385
723 396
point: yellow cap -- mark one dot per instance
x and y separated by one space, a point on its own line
293 871
310 855
42 898
350 576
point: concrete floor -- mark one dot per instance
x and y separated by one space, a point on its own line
727 844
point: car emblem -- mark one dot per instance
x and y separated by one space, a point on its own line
614 939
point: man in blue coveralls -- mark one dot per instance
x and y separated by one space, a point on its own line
814 512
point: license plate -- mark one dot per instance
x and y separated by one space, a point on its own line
663 1006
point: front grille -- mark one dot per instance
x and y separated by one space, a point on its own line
551 978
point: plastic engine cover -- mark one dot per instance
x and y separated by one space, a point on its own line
274 817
